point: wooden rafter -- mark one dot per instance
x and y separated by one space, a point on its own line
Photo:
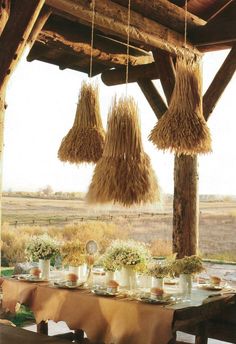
165 13
4 13
17 30
164 63
219 83
39 24
117 76
153 97
112 19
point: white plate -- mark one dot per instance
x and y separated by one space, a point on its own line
210 287
154 301
63 285
28 278
103 293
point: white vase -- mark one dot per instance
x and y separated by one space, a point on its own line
185 285
44 266
110 275
128 278
158 282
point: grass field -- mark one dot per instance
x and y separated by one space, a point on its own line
217 220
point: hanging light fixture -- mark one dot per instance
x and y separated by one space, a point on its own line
124 174
183 129
85 140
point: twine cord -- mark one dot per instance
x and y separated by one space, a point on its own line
127 51
92 40
185 22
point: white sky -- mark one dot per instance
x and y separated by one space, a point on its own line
41 108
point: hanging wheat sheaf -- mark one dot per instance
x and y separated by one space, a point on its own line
183 129
85 140
123 174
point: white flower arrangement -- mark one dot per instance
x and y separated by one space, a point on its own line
42 247
128 253
159 270
73 253
188 265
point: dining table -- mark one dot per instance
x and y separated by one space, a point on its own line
122 319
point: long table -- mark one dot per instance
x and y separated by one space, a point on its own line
114 320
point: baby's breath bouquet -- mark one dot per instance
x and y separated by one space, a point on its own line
73 253
107 263
159 270
128 253
42 247
188 265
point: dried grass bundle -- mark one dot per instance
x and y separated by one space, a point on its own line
123 174
183 128
85 140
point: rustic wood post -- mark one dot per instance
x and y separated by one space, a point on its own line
185 206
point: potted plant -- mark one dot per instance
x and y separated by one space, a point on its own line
42 248
185 268
128 256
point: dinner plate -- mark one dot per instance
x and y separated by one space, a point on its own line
63 285
154 301
30 279
210 287
103 293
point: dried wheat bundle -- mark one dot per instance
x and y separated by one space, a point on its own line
183 128
123 174
85 140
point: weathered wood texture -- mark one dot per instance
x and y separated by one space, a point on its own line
39 24
165 13
4 13
153 97
118 76
112 19
17 30
219 83
164 63
2 112
185 206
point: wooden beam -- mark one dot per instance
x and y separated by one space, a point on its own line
49 41
164 63
219 83
153 97
24 13
165 13
4 13
223 32
185 206
2 113
111 18
39 24
117 76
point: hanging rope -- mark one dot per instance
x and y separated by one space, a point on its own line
127 52
92 40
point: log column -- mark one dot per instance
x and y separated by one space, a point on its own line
185 206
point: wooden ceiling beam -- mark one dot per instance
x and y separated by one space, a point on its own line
50 40
111 18
219 83
165 13
4 13
117 76
23 15
153 97
39 24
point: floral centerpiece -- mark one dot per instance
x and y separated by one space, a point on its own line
159 270
107 263
42 247
72 253
128 253
188 265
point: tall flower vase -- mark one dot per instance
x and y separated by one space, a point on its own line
78 270
44 266
158 282
128 278
185 285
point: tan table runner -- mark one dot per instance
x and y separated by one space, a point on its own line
103 319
